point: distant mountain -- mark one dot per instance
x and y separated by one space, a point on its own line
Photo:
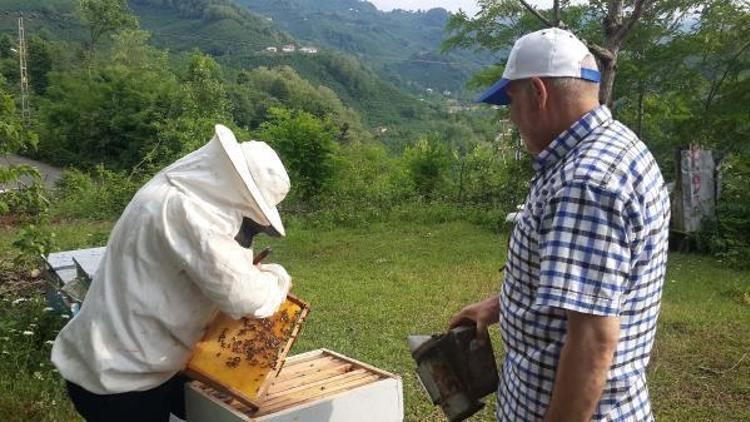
403 46
237 38
218 27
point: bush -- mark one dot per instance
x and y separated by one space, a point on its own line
306 145
727 235
30 387
32 241
25 203
419 186
493 180
103 194
428 163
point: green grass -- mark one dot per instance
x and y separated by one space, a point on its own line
369 288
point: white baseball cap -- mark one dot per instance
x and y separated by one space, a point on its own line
551 52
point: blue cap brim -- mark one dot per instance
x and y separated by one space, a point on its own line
496 94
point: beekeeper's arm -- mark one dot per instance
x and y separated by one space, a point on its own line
220 267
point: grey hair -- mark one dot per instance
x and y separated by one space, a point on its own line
573 88
572 85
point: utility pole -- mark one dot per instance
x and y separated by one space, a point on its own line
25 110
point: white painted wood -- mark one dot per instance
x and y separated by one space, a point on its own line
61 263
378 401
200 407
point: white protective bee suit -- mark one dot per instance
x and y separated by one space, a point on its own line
171 262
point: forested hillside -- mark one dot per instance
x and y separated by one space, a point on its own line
402 45
233 36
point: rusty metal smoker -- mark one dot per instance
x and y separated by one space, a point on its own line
455 370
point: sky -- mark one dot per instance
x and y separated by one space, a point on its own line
469 6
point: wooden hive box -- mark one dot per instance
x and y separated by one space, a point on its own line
242 357
316 386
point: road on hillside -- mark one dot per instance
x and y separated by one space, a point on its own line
50 174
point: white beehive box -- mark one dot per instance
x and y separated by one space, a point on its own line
316 386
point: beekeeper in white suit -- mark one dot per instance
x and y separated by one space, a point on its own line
171 262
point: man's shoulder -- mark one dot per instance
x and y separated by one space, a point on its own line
612 156
151 201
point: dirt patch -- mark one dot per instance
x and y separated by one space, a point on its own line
9 221
15 281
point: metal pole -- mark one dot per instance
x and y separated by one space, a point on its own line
25 109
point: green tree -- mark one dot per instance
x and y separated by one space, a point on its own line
721 81
604 26
115 114
262 88
6 44
428 162
205 87
306 146
104 16
22 194
201 101
14 138
39 63
685 88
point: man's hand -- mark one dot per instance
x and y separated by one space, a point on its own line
484 313
282 277
583 367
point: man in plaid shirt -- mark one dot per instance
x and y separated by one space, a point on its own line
587 257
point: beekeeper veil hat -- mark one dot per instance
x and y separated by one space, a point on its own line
262 173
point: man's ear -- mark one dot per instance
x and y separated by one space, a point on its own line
539 93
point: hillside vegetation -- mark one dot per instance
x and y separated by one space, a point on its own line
403 46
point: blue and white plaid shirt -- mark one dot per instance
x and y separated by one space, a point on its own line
592 238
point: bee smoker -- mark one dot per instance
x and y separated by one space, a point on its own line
455 370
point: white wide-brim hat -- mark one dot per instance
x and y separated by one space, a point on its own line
261 171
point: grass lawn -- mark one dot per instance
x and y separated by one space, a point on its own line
370 288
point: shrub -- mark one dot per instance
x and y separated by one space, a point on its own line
31 388
103 194
727 235
306 146
428 163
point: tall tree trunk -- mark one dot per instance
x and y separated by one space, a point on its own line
609 70
461 181
641 109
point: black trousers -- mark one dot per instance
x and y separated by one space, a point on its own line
153 405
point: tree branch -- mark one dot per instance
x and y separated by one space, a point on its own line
624 30
556 7
613 20
716 85
534 12
600 52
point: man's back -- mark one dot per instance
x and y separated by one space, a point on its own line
171 262
592 239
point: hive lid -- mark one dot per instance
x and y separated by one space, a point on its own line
241 357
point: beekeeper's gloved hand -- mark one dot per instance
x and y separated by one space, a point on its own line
283 277
283 284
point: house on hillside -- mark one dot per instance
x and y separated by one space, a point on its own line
271 49
309 50
289 48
